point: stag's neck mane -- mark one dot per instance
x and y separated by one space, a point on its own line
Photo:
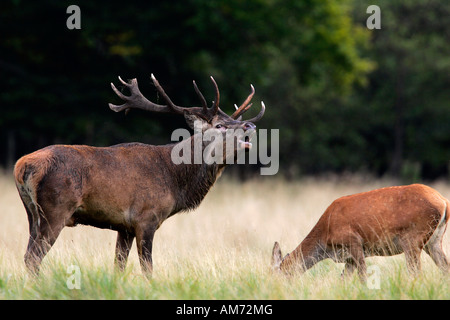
193 181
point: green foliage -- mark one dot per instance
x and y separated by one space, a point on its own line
197 282
407 100
344 98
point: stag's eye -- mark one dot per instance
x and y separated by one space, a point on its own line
218 126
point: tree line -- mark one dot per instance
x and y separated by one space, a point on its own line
345 98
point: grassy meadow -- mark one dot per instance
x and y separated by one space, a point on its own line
222 250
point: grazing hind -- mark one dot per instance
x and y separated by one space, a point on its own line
382 222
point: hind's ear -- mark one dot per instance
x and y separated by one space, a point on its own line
276 256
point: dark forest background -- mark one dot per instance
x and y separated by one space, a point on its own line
345 98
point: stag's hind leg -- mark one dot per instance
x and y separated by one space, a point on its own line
46 223
36 244
32 255
41 242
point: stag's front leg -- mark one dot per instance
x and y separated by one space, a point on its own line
123 246
144 242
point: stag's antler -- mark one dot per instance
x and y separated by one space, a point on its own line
259 115
137 101
245 106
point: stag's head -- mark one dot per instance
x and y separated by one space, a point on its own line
202 119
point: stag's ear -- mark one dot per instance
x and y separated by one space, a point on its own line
276 256
195 121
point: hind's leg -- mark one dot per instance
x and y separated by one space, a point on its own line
357 255
412 247
434 250
437 254
350 266
434 247
412 255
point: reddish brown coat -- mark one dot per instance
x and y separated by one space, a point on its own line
131 188
387 221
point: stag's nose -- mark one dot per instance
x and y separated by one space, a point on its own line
249 126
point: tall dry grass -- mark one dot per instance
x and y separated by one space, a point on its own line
219 251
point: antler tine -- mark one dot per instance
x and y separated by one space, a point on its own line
244 106
125 106
244 110
202 98
215 106
136 100
126 83
259 115
171 105
120 94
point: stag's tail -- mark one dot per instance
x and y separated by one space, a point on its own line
30 169
28 173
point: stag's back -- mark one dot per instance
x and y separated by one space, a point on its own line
95 181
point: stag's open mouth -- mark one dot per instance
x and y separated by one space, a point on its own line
245 142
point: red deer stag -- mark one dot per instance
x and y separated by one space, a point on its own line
381 222
131 188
